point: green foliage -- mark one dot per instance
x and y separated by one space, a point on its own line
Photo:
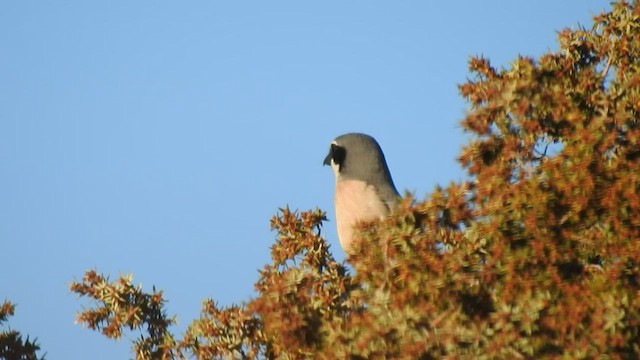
536 256
12 347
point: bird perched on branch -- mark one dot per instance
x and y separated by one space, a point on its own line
364 188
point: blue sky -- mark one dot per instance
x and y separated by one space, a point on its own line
158 138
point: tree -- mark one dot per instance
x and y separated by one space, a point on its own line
12 346
537 255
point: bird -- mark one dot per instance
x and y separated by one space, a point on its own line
364 189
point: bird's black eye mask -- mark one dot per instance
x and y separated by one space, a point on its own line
337 154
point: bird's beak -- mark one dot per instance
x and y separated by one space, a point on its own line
327 160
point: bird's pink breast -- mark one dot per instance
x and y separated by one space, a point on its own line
355 201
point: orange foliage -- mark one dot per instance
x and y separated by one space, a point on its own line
536 256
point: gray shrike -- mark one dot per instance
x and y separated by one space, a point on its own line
364 188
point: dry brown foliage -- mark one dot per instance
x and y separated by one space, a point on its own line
536 256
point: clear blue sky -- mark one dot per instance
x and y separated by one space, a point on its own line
158 138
